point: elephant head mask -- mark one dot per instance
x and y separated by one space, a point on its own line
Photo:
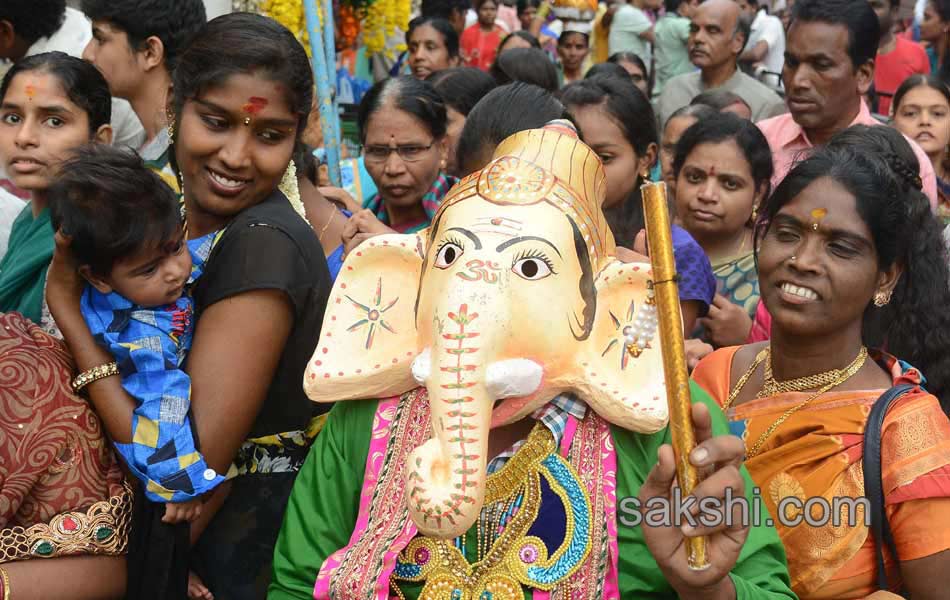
510 298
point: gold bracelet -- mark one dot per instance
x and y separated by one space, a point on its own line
95 374
6 584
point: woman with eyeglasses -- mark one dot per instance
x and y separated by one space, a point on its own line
402 125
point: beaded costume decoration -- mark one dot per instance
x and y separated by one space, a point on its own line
509 556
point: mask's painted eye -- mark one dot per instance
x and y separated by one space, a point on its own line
531 268
448 254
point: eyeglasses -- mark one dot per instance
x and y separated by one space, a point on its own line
409 152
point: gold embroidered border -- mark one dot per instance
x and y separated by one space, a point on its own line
102 529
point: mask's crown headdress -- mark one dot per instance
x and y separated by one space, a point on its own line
546 165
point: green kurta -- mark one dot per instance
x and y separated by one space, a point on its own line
323 508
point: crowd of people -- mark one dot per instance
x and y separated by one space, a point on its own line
160 185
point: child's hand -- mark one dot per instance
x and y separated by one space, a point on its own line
179 512
197 589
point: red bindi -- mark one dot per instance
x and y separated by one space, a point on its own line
30 91
254 105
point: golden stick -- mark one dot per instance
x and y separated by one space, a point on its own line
665 289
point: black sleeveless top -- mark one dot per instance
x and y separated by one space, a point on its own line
270 247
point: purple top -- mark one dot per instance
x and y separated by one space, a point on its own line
697 281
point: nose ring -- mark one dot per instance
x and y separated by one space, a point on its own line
792 259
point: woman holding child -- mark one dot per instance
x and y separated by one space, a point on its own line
242 94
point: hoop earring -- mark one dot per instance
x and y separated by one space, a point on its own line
882 299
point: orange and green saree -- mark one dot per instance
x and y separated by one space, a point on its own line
817 452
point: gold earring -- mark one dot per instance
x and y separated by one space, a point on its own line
882 299
171 126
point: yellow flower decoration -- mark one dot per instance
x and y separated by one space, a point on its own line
290 14
383 17
380 21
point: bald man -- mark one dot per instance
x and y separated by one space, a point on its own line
717 36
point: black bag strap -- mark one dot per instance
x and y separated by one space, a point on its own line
873 486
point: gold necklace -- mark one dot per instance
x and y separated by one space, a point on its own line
842 375
745 378
771 387
330 220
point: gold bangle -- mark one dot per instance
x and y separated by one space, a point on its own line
94 374
6 583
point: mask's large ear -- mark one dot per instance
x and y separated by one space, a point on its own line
368 340
621 365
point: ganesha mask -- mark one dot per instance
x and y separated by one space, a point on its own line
511 297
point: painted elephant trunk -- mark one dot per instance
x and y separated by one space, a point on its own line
446 481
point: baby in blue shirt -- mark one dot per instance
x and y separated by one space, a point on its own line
126 234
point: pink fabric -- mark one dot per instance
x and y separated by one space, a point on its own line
508 16
761 326
590 448
609 457
789 143
382 429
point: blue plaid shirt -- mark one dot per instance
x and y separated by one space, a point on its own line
149 346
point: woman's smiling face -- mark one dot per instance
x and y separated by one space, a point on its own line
818 266
234 142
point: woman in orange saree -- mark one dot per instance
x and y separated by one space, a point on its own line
832 243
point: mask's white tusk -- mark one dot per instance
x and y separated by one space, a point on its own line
422 367
513 378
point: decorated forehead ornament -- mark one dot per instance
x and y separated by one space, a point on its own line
548 165
818 214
